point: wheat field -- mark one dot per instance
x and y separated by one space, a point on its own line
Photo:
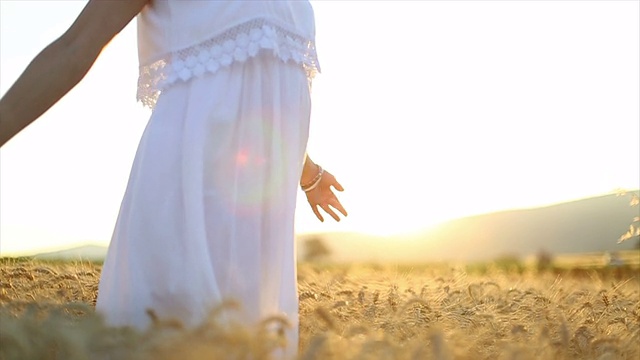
496 311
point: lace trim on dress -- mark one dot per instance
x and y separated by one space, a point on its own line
239 43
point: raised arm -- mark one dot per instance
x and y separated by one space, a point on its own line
62 64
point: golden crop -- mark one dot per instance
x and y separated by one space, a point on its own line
346 312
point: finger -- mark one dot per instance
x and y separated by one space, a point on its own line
318 215
329 211
337 185
338 206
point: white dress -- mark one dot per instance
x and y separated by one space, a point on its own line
209 207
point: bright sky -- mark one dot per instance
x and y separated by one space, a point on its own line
425 111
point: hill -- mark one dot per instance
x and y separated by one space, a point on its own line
80 253
588 225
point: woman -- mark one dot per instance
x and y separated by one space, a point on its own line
208 211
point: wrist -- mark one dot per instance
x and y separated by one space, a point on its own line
313 183
309 171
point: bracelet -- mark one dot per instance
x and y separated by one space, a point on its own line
314 182
313 186
318 176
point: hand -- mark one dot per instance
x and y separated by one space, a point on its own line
323 196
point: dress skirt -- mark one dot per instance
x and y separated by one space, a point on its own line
209 208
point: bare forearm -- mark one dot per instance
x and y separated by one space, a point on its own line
61 65
55 71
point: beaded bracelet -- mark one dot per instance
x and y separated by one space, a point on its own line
312 186
314 182
318 176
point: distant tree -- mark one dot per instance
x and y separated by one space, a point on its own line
634 228
544 260
315 249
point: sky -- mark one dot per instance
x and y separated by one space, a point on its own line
425 111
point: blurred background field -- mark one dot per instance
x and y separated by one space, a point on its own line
571 307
